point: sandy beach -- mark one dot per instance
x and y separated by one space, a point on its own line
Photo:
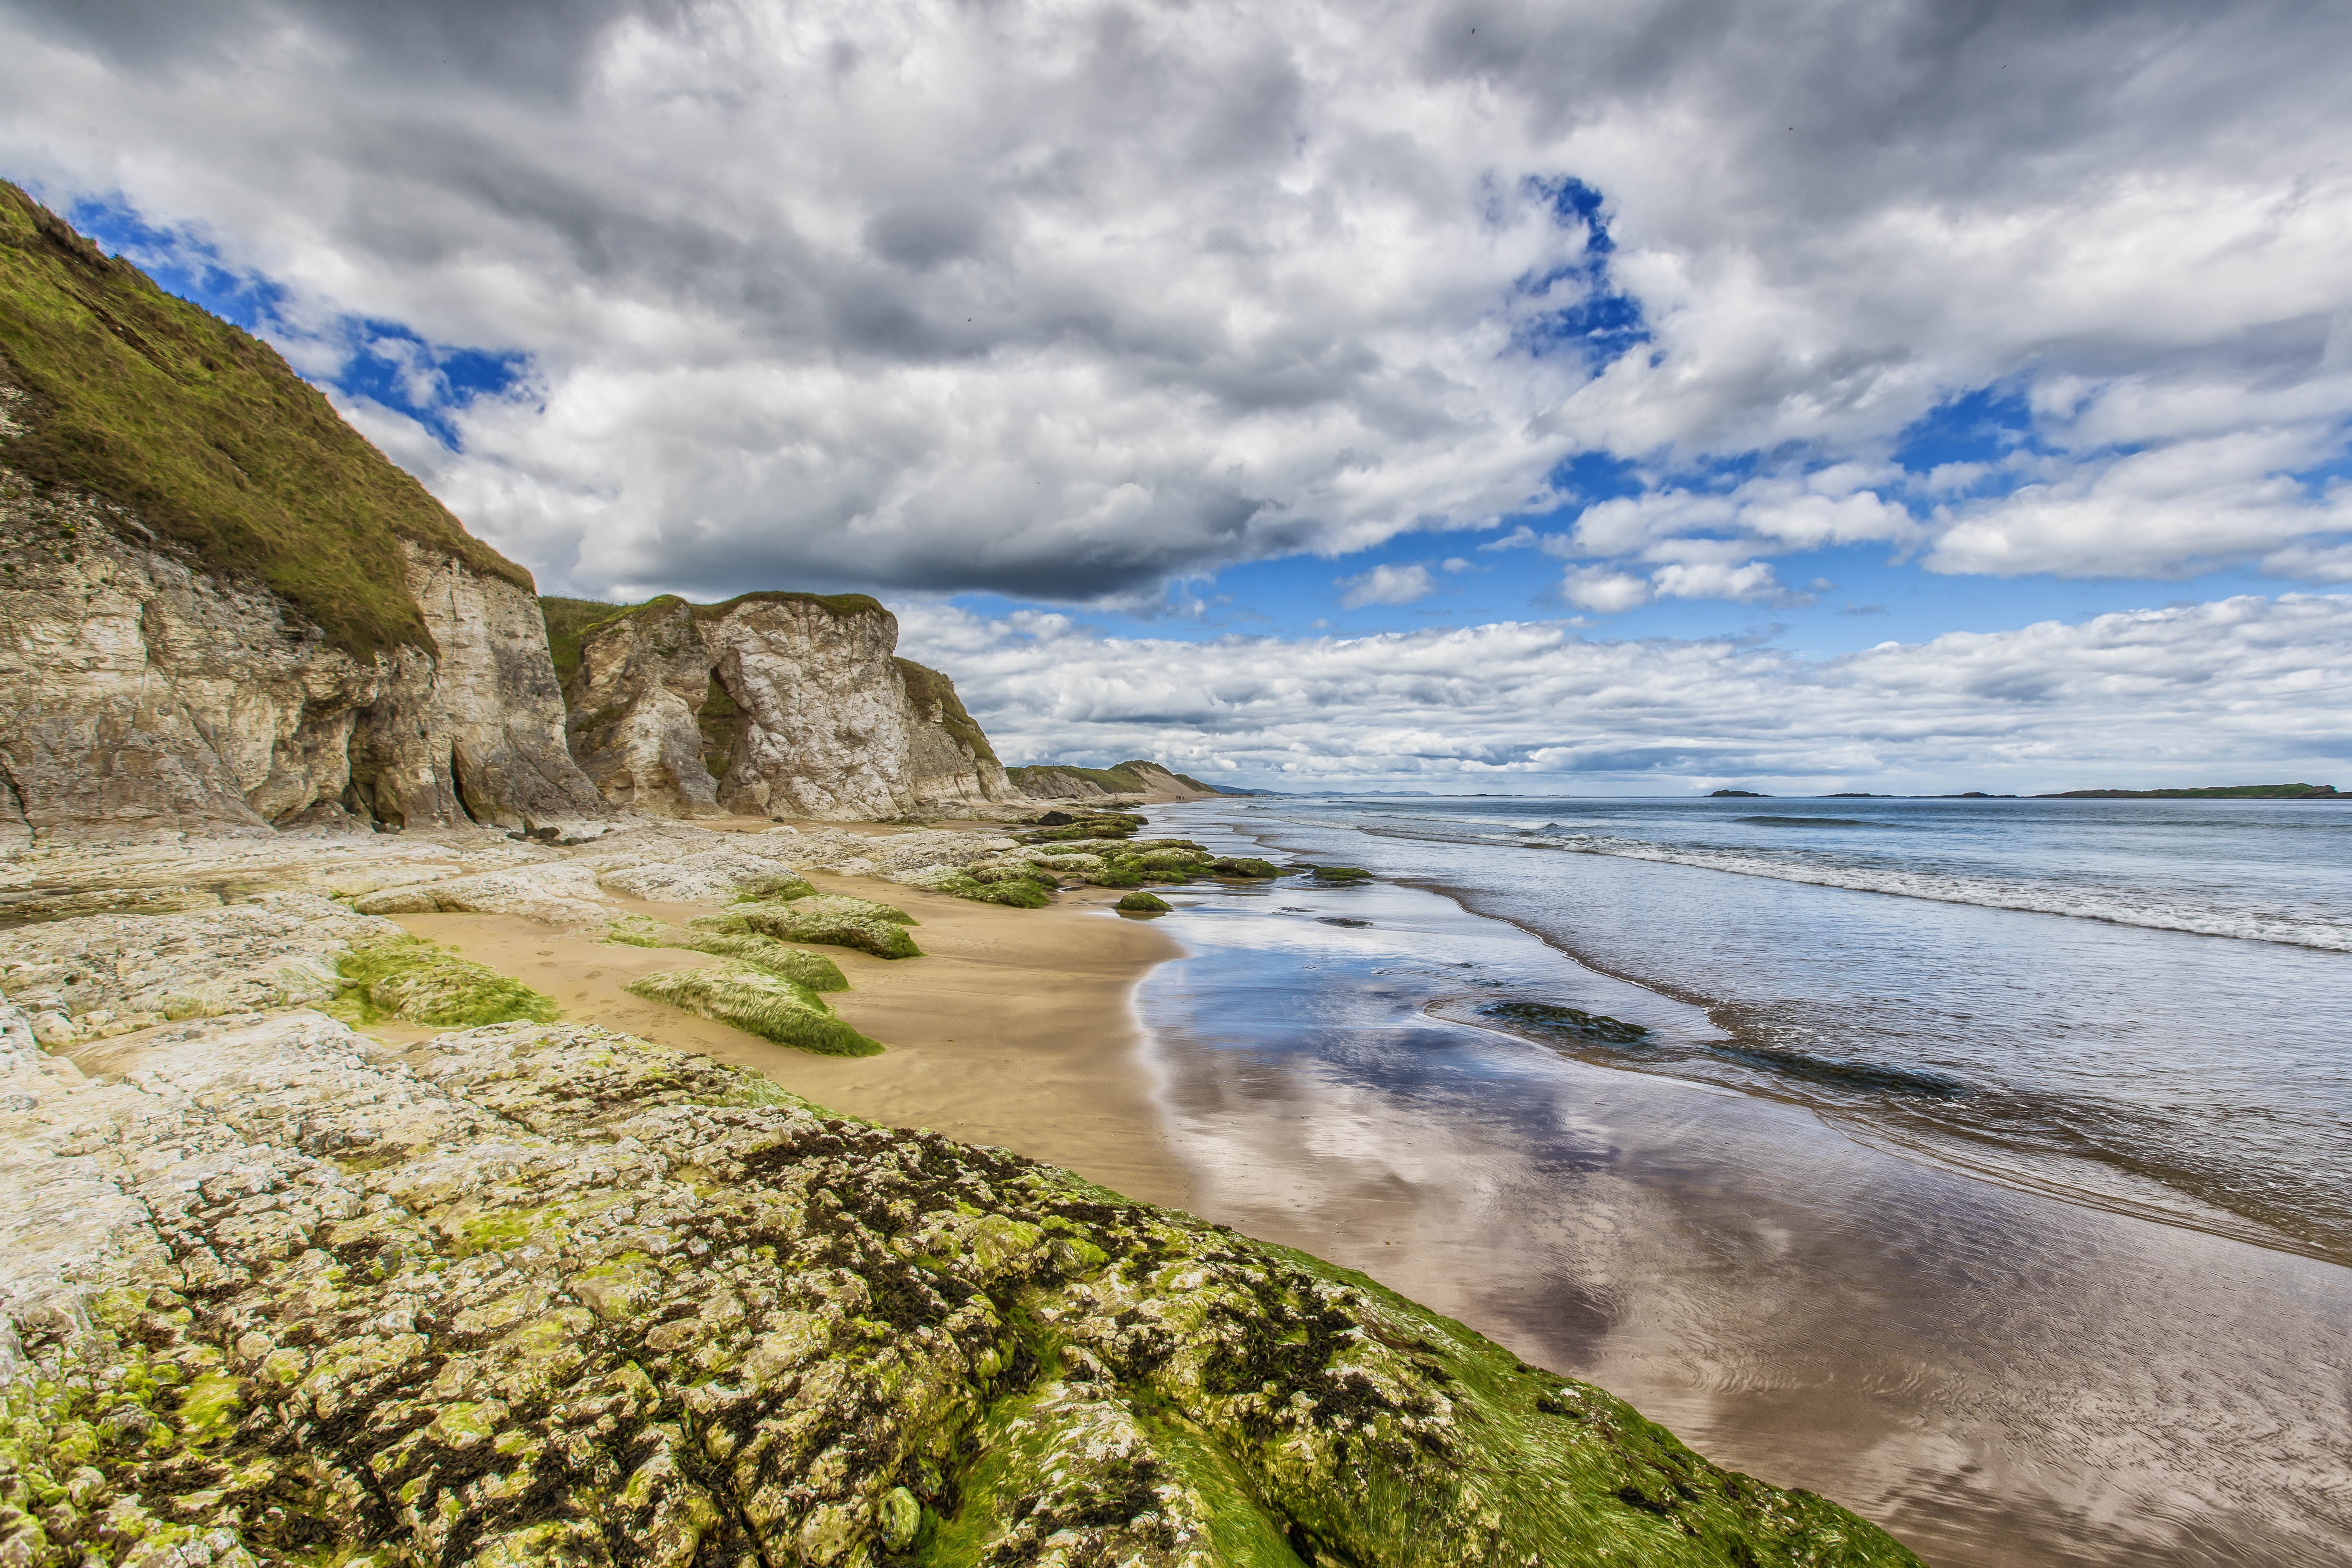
1015 1027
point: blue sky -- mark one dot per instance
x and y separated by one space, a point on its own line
1783 325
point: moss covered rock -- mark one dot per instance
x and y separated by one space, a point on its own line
812 970
425 983
1342 874
757 1003
825 922
1141 903
1244 867
541 1292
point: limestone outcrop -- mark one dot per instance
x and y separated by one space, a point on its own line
771 704
146 693
271 1293
220 608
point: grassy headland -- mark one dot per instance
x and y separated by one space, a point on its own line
155 405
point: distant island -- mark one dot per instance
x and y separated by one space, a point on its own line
2213 791
1738 795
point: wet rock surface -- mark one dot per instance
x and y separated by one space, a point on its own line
544 1292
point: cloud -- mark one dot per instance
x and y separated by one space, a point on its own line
1386 584
1069 301
2231 691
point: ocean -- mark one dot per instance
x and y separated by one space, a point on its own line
1980 1164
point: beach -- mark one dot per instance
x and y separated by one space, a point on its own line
2000 1374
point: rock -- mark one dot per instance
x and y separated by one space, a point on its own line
545 1292
633 703
771 704
757 1001
1142 903
108 974
552 894
146 694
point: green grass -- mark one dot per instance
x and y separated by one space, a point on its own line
721 724
408 977
757 1003
1119 779
149 402
925 686
568 623
811 970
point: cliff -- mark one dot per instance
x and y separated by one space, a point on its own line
770 704
1139 780
220 607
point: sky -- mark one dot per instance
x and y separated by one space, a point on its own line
1603 397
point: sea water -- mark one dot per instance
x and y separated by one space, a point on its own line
1979 1164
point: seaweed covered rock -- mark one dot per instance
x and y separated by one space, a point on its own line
757 1001
1244 867
1017 884
540 1292
826 921
1142 903
811 970
1342 875
425 982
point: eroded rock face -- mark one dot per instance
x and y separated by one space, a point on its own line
824 721
144 695
547 1293
633 706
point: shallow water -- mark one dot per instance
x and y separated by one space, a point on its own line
1999 1376
2153 1050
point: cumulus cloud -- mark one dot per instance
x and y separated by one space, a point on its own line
1071 301
1386 584
2150 696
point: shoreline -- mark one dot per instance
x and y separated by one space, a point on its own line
1016 1028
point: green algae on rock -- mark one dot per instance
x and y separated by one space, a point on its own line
425 983
822 920
1142 903
545 1292
1341 874
812 970
757 1003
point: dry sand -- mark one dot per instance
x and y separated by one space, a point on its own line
1016 1028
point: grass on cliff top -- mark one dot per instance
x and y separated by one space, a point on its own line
1119 779
408 977
928 689
159 407
569 621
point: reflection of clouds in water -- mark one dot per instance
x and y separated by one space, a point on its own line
1998 1376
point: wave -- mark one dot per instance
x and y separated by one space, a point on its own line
2113 906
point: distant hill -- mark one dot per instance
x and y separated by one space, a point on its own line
1064 781
2213 792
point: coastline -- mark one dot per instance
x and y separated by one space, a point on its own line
1015 1028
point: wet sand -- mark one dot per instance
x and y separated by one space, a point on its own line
1015 1027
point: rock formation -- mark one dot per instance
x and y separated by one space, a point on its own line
545 1293
1130 781
771 704
219 607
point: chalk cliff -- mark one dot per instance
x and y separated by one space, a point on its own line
145 693
221 609
771 704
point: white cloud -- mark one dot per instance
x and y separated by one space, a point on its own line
1071 300
1386 584
2171 510
1608 593
2233 691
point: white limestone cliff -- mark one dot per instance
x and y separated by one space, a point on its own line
143 693
773 705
